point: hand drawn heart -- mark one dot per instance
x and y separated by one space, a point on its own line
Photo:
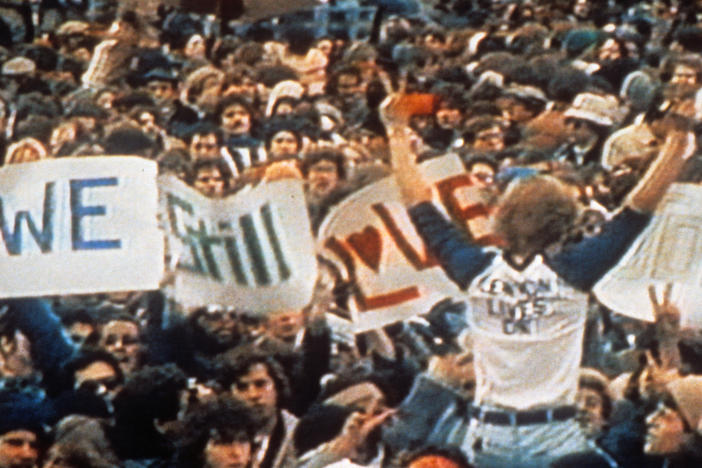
368 245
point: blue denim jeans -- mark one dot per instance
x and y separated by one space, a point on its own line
527 446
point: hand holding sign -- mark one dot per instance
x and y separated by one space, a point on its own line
392 113
679 146
397 108
395 112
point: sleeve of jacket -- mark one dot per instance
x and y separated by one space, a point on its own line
584 263
35 318
459 257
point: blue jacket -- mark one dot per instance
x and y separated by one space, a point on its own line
580 264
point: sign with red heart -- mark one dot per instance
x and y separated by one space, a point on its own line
372 240
368 244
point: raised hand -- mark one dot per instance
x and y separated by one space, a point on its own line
667 316
392 112
679 146
413 185
359 425
665 312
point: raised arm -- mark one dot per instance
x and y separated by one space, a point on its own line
460 258
664 170
414 187
50 346
584 263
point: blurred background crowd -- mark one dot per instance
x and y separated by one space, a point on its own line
580 89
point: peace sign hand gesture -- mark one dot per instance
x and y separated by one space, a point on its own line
356 429
665 312
667 325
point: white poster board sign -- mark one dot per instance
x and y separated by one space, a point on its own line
372 239
79 225
668 251
253 250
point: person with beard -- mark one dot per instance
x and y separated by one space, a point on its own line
683 84
434 134
346 85
194 342
258 381
528 302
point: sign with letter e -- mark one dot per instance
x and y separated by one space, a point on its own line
79 225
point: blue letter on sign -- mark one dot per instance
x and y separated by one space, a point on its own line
79 211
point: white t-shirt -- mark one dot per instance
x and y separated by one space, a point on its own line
528 336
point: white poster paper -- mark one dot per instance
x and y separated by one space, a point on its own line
372 239
79 225
668 251
253 250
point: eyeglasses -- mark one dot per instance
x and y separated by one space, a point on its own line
100 386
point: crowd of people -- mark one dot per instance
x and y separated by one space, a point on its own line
572 119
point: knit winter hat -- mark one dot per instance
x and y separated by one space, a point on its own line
687 393
24 410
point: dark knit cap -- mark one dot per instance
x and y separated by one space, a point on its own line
24 410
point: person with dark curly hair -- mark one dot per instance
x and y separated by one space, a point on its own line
259 382
217 434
